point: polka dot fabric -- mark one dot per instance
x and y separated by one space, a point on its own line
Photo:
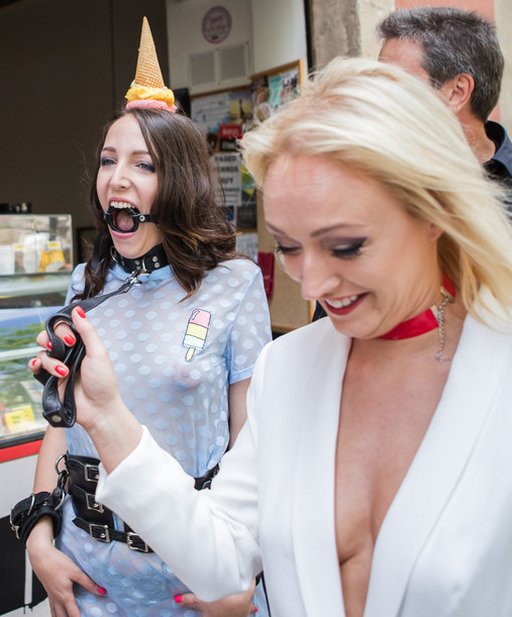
174 358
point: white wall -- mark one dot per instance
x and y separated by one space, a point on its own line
184 19
279 33
371 12
274 30
503 18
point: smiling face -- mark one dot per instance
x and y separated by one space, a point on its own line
350 244
127 179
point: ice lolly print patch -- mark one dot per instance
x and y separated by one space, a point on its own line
197 330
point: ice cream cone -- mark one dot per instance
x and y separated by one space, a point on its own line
148 71
148 89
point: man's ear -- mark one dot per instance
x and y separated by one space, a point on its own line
457 91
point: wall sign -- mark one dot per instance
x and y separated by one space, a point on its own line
216 24
228 168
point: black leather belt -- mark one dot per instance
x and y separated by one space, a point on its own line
92 516
104 533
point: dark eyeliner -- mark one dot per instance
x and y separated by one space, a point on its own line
285 250
351 250
147 166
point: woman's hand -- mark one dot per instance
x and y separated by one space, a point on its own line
100 409
239 605
57 573
96 389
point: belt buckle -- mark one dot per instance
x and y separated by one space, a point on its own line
101 531
131 538
92 504
15 528
91 469
19 517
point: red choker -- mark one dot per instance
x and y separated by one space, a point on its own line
424 322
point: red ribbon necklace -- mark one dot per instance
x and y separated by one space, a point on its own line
424 322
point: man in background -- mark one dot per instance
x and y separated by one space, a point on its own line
458 53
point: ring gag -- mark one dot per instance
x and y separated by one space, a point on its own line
110 218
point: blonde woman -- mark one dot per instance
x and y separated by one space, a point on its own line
372 476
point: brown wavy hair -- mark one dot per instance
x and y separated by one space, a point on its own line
196 233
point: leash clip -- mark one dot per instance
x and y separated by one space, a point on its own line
133 279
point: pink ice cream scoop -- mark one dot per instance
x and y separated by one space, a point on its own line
197 329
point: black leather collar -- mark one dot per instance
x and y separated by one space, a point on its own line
152 260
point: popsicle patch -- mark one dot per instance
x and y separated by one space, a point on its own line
197 330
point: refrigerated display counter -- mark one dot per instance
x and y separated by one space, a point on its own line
31 289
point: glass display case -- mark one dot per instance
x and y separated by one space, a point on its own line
35 270
35 243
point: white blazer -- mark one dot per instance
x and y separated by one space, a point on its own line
445 546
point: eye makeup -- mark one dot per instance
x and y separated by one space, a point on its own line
349 248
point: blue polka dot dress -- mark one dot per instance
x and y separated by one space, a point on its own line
174 358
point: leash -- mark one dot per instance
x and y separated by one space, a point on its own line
63 413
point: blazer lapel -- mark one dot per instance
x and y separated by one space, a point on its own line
437 466
313 491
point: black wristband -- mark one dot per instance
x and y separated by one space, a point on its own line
27 512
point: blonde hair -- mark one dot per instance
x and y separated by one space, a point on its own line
376 119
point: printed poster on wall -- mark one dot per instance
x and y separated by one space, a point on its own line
228 165
212 110
283 87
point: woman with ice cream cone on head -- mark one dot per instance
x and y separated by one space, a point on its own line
184 339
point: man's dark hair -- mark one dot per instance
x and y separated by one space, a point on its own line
453 42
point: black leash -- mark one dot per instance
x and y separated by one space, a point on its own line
63 413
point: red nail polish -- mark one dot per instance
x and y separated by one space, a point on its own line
34 362
80 311
49 345
70 340
61 370
102 591
178 599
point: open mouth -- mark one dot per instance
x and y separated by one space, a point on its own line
344 305
337 304
124 218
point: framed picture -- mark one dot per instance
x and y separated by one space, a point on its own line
212 110
274 87
85 238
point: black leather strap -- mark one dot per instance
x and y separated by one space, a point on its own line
27 512
84 472
87 508
206 480
154 259
104 533
95 518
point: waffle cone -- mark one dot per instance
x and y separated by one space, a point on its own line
148 71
